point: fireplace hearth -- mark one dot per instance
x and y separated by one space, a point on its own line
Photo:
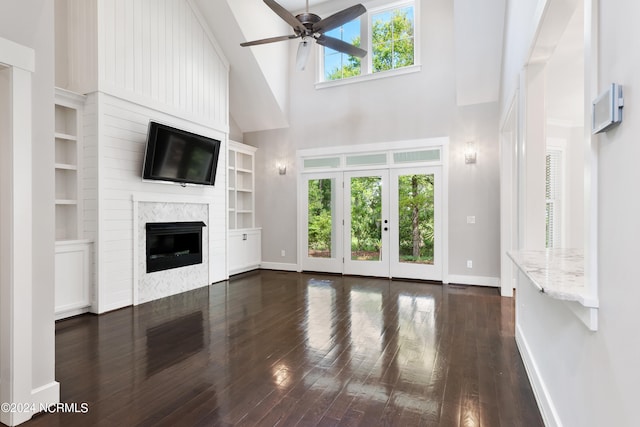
173 244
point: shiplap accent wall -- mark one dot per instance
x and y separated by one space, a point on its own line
116 156
153 52
89 185
142 60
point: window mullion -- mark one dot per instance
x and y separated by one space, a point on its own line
365 43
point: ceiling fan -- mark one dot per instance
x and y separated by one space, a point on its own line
309 26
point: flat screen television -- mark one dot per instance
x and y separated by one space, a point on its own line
180 156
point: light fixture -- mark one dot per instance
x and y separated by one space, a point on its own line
470 152
304 49
282 168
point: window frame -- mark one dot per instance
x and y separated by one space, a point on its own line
366 64
558 147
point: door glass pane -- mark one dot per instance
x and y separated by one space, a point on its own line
320 226
416 228
366 221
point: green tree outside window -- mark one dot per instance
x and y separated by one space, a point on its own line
392 45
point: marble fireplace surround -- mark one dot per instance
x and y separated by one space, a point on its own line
160 284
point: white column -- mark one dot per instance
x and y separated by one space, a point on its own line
16 225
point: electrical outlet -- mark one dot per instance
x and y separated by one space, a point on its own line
471 220
469 263
282 253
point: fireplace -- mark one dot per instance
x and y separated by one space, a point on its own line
173 244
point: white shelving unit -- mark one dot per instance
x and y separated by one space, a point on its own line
68 109
73 253
245 251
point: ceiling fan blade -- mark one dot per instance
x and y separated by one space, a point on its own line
338 18
269 40
285 14
340 46
304 49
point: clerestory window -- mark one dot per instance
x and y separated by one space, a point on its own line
387 33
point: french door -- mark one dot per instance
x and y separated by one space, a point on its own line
366 223
384 223
416 237
322 214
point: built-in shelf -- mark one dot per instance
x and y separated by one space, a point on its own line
66 136
66 166
244 239
241 183
68 149
73 253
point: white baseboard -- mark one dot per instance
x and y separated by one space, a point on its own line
282 266
493 282
545 404
118 300
46 394
70 313
243 269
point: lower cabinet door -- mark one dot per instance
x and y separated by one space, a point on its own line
72 278
245 250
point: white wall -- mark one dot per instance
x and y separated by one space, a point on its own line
153 53
591 377
147 61
419 105
30 23
119 151
617 226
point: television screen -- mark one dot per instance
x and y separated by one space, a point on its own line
180 156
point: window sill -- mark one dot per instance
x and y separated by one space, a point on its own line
367 77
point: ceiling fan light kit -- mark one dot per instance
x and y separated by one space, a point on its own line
309 26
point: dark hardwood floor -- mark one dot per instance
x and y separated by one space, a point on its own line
274 348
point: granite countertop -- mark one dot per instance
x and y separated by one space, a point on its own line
559 273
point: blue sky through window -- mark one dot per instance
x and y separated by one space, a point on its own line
334 60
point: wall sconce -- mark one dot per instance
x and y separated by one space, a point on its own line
282 168
470 153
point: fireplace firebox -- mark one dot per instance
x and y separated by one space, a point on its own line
173 244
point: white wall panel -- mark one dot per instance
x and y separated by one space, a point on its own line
151 52
89 187
120 152
158 50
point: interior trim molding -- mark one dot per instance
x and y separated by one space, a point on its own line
280 266
17 56
493 282
548 411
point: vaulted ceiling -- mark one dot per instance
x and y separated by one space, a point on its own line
259 88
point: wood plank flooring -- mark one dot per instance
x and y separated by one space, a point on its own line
274 348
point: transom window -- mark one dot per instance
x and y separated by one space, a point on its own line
389 36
